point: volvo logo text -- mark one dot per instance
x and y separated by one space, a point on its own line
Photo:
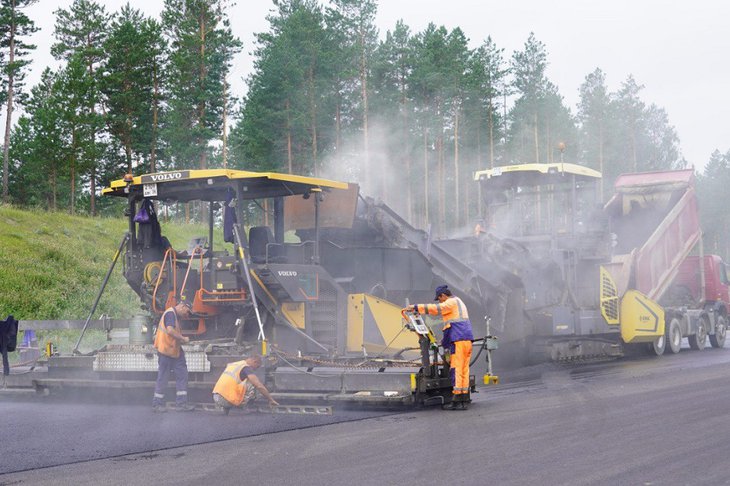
166 177
287 273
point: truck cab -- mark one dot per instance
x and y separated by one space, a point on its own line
688 289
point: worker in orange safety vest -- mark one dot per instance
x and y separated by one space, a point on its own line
457 340
171 357
237 385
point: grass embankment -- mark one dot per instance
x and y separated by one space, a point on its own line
53 264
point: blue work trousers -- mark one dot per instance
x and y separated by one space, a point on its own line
166 364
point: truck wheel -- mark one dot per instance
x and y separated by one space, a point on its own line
656 347
718 339
674 336
699 340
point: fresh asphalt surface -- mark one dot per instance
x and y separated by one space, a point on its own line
631 421
51 432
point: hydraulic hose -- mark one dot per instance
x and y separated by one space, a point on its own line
487 320
481 348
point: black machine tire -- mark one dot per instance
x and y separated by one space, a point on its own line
717 340
698 340
657 346
674 336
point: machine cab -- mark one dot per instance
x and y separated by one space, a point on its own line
530 201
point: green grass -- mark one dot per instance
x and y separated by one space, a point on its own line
53 264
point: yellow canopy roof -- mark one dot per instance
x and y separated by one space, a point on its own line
532 174
211 185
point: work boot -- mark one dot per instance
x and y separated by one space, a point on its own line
465 401
158 408
459 402
184 407
454 405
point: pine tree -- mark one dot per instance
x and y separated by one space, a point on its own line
559 127
487 82
134 52
392 108
202 48
288 105
711 189
594 111
80 35
460 55
353 22
437 84
14 26
661 147
77 92
39 148
528 69
630 111
541 124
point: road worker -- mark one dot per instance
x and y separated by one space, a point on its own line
238 384
171 357
457 340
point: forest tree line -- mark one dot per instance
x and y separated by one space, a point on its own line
409 115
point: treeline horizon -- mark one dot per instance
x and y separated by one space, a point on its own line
408 115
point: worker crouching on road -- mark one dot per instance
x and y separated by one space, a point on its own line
237 385
171 357
457 339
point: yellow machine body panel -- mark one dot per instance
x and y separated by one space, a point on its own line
294 313
642 319
375 325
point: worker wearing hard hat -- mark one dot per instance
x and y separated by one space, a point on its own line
171 357
237 385
457 339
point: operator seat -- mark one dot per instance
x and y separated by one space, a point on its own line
261 238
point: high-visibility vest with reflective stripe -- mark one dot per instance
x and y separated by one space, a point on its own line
230 385
164 342
450 310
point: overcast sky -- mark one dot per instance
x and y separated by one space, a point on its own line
677 49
